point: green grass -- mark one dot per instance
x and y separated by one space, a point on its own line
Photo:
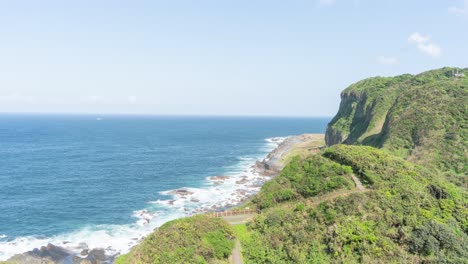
419 117
303 178
197 239
312 213
303 150
241 232
409 214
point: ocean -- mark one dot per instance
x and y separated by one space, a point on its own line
106 181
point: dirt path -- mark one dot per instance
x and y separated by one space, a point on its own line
236 256
333 195
358 183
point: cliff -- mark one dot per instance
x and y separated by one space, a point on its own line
356 204
418 117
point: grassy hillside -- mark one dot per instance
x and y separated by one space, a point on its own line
316 210
407 214
421 118
197 239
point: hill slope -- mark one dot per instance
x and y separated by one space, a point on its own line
315 211
421 118
197 239
407 215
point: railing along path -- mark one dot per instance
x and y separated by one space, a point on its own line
234 212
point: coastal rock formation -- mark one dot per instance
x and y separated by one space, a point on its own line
52 254
219 178
181 192
95 256
275 160
49 254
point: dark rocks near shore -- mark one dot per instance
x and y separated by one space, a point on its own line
95 256
49 254
243 180
181 192
259 173
52 254
219 178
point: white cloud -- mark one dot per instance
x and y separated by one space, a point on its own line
327 2
132 99
387 60
418 38
431 49
425 44
460 11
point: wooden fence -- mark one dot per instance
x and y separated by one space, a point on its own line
234 212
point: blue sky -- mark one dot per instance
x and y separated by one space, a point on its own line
281 58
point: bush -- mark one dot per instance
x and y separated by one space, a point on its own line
197 239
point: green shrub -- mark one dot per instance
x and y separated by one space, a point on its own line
197 239
409 215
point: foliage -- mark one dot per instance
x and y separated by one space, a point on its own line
410 214
312 213
197 239
303 178
420 117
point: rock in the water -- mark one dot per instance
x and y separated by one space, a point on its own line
95 256
181 192
219 178
243 180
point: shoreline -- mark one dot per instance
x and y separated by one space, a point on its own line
236 191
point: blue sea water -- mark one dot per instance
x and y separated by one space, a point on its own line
103 180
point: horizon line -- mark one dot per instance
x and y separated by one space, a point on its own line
161 115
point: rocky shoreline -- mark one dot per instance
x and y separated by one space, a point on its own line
262 171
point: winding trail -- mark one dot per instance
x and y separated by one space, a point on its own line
236 256
360 188
358 183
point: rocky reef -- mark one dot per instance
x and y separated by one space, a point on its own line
52 254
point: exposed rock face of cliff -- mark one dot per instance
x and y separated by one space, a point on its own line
419 117
363 109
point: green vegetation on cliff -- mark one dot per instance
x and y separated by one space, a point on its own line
197 239
316 210
407 214
302 179
421 118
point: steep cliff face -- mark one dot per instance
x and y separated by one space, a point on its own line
421 117
363 108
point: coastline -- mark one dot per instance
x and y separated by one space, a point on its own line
235 191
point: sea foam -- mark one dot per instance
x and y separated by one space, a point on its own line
241 181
